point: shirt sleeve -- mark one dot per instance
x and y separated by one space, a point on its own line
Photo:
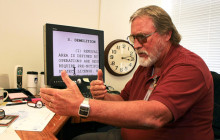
179 89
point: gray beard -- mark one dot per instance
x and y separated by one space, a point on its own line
147 62
152 59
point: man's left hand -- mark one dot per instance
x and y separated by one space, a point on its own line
63 101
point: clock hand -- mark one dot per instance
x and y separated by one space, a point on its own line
129 58
125 57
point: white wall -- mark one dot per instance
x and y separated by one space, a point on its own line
21 29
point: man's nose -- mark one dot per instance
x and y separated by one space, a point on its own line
137 44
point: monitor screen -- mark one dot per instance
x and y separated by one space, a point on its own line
79 51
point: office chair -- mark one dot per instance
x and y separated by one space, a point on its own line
216 114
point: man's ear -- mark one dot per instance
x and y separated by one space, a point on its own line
168 35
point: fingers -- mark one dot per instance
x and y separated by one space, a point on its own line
100 75
98 91
52 98
46 99
48 91
61 101
97 85
49 105
66 79
46 95
96 82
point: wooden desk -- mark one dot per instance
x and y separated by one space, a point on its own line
49 132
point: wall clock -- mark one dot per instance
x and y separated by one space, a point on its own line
120 57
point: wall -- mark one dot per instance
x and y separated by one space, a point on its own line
21 29
114 20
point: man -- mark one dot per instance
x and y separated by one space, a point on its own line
169 97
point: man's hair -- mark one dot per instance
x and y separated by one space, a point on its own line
161 21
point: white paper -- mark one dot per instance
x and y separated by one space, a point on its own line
9 134
2 129
30 119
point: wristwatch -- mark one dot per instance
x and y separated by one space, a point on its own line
84 108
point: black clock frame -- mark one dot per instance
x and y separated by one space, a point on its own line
106 52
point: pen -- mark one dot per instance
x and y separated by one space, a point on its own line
33 99
10 104
17 100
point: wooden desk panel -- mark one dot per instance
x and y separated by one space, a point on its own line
49 132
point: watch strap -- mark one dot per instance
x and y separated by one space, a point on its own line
86 101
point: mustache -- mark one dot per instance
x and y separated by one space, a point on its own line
141 51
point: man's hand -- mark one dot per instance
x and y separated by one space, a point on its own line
97 87
63 101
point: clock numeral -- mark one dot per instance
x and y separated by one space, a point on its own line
116 67
130 64
113 63
131 53
121 69
114 51
126 68
118 47
111 56
123 45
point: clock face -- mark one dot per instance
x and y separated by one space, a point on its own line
120 57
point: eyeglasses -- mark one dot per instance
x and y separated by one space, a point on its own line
38 104
2 114
142 38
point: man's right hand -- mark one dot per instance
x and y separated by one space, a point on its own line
97 87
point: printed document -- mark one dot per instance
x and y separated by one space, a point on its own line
30 119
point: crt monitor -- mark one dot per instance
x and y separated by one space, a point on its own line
79 51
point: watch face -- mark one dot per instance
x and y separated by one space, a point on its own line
84 111
121 58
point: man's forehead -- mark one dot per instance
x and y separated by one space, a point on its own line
143 24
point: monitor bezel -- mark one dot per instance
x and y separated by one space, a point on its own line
56 81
